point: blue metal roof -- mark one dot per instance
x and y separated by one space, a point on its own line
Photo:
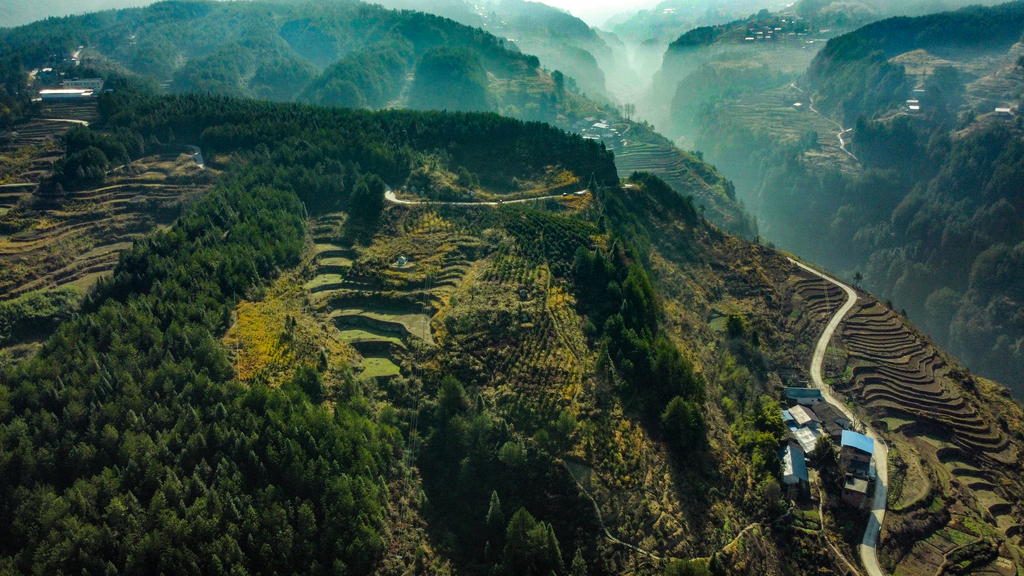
858 441
793 392
787 417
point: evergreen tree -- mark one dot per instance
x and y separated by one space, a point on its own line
495 516
579 565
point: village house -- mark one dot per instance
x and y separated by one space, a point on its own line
855 453
803 427
855 491
794 469
65 94
832 421
804 396
94 84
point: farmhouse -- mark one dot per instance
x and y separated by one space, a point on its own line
803 415
855 491
94 84
65 94
855 454
832 421
794 467
804 396
803 428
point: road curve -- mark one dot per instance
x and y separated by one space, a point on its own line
389 195
842 141
868 555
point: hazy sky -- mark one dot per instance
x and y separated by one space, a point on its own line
595 12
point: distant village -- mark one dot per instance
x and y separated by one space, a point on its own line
58 86
599 130
809 418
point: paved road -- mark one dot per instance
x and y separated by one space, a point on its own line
868 556
389 195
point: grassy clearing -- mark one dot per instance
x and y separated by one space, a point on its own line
276 334
378 367
323 280
368 335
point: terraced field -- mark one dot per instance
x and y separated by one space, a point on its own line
684 174
49 125
957 459
76 240
895 371
375 301
774 111
818 298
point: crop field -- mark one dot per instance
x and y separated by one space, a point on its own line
921 64
680 171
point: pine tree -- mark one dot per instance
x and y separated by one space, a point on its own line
495 517
579 565
554 552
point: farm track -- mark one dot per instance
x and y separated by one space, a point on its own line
839 135
869 543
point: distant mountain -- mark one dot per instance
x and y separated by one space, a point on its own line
671 18
562 41
20 12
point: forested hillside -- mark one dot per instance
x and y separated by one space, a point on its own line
344 52
393 342
852 76
927 204
347 54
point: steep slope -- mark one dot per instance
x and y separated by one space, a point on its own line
900 161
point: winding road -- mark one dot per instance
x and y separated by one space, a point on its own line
868 555
842 141
389 195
